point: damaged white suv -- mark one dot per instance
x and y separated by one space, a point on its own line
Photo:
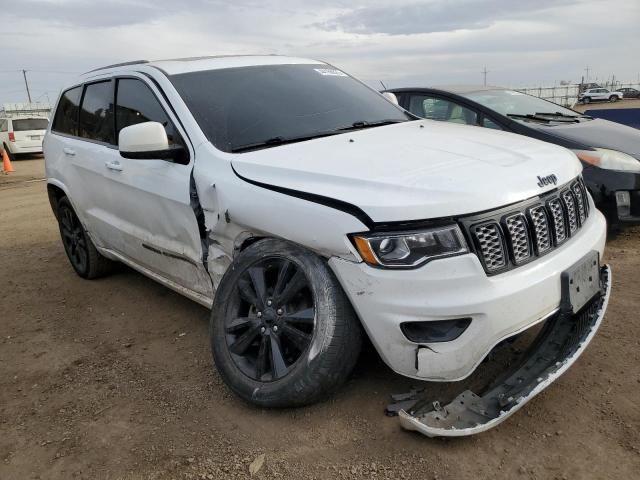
301 205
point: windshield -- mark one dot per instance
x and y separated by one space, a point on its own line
510 102
263 106
25 124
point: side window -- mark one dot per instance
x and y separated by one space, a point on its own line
435 108
66 117
136 103
3 125
96 113
488 123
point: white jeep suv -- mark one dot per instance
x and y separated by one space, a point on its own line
599 94
307 210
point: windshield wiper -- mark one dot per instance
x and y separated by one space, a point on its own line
280 140
276 141
544 117
564 115
362 124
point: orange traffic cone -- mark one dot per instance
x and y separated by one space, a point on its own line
6 163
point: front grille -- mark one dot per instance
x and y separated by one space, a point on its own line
512 237
519 237
489 239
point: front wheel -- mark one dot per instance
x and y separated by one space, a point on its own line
613 98
282 330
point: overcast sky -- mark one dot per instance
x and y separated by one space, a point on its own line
401 42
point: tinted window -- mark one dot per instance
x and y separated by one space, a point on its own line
3 125
435 108
136 103
23 124
252 106
66 119
488 123
96 113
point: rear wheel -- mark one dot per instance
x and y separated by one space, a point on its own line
282 331
586 100
82 253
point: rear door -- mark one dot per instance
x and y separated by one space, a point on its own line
29 132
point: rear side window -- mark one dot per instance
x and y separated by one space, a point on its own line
24 124
136 103
3 125
96 113
66 118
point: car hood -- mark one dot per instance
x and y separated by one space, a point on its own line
597 133
413 170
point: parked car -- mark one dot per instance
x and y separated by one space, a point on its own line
610 152
586 86
300 206
629 92
595 94
22 135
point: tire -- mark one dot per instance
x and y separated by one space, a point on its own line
586 100
81 252
613 98
319 309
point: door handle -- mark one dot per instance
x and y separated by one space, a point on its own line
113 165
68 151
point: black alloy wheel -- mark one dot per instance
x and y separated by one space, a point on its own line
272 321
73 238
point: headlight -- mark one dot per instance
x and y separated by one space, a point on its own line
410 249
609 159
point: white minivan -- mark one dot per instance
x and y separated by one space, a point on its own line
22 135
307 211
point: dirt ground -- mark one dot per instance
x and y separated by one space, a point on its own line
113 379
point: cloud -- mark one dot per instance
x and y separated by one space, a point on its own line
401 43
436 16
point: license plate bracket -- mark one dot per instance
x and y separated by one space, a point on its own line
580 283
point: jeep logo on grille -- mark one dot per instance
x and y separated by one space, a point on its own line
548 180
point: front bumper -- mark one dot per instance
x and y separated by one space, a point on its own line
500 306
616 193
561 342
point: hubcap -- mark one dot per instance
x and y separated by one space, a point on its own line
73 239
271 321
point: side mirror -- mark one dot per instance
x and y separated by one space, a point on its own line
148 141
391 97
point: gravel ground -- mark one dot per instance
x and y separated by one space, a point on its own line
113 379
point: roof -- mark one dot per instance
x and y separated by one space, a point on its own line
175 66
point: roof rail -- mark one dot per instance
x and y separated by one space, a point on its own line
123 64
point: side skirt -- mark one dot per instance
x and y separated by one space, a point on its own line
190 294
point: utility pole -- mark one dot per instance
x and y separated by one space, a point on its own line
484 73
26 84
587 70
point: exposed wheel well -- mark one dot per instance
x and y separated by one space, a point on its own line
55 194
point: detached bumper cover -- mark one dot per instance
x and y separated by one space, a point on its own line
558 346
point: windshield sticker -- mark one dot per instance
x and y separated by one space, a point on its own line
331 72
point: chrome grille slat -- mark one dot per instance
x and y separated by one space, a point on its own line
570 206
577 192
489 238
541 231
510 239
519 237
557 216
